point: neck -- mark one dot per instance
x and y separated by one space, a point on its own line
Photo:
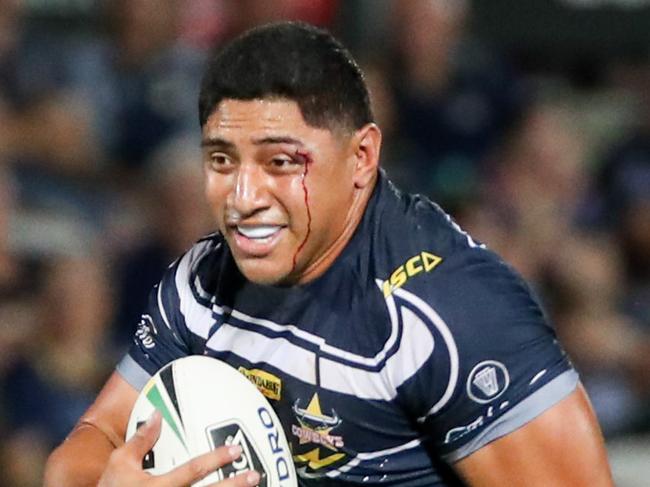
355 214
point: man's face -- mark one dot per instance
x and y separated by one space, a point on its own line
282 192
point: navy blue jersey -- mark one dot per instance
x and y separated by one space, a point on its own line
417 347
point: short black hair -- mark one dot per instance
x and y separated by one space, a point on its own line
291 60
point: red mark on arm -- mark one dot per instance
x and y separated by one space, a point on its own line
307 160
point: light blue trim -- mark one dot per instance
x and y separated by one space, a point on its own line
132 372
524 412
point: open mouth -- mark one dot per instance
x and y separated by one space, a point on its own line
256 240
259 233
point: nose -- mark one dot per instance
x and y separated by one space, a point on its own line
250 194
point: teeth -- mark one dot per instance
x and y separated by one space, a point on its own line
258 232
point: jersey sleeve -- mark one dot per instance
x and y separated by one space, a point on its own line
496 363
163 333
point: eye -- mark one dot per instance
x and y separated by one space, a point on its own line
284 164
218 161
282 161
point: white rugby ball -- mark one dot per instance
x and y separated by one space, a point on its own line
205 403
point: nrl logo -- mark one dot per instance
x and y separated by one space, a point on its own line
231 434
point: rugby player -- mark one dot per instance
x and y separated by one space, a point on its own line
395 349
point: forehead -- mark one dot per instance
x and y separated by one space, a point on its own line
255 116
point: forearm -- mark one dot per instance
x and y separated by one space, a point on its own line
80 460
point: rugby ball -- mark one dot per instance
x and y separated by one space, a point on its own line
205 403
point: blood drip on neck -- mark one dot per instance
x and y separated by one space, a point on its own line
307 161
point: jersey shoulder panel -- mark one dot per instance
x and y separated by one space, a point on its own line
493 347
177 317
414 237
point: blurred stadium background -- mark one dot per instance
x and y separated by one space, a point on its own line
528 120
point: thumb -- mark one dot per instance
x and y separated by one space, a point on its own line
146 436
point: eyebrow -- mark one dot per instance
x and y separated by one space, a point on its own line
277 140
219 142
216 141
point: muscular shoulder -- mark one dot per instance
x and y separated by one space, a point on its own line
492 361
420 244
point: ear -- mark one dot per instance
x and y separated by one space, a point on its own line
366 145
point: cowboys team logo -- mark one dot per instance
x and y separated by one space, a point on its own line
314 429
416 333
487 381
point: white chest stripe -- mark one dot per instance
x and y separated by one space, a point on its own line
315 339
416 345
202 329
256 348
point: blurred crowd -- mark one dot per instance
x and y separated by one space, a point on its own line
101 182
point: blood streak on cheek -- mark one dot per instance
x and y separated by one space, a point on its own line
307 161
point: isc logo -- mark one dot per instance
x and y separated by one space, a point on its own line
233 434
423 262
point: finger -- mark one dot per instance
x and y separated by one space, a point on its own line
246 479
146 436
201 466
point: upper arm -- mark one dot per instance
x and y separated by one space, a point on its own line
512 414
561 447
500 366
